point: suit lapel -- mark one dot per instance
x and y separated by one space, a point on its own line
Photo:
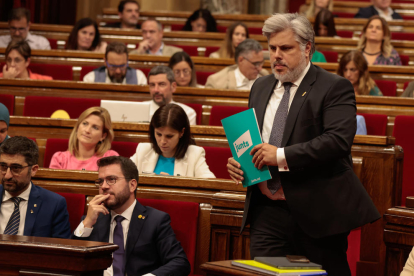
181 166
34 200
300 97
261 105
135 227
231 79
102 228
150 161
1 194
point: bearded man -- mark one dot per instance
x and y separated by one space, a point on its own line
147 243
308 121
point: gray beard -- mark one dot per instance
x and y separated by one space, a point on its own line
292 74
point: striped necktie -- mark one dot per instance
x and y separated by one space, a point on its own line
13 225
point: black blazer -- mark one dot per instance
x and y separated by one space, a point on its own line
370 11
322 191
151 246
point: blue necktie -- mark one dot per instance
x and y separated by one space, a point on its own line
119 254
277 134
13 225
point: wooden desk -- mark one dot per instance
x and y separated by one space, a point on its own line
224 268
30 256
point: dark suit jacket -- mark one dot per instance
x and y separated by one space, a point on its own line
323 193
49 219
370 11
151 246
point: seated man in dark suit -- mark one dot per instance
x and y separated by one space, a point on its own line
147 243
381 8
27 209
128 11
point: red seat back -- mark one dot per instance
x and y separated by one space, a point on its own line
184 219
354 249
37 106
85 70
53 43
210 49
404 133
202 77
405 60
216 159
189 49
402 36
220 112
255 30
76 208
388 88
376 124
330 56
125 149
56 71
8 101
345 34
53 146
145 71
344 14
221 29
198 108
176 27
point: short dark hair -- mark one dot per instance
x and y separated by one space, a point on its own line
121 5
211 25
129 169
21 46
116 47
22 146
19 13
173 116
246 47
162 69
326 18
72 43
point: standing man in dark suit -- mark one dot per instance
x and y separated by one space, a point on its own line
27 209
308 121
147 243
379 7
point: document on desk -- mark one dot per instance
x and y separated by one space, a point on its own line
242 132
267 269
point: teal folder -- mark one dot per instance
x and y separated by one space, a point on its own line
242 132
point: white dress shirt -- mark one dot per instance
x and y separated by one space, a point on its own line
270 113
381 13
7 208
141 78
242 82
191 114
37 42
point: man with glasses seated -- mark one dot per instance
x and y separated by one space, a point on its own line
116 68
19 26
27 209
147 243
241 76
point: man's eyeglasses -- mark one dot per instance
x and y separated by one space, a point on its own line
186 72
13 29
255 64
113 66
110 180
14 169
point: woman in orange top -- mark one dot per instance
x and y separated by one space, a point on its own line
17 60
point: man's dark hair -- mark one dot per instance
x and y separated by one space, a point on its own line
116 47
129 169
121 5
19 13
247 46
22 146
162 69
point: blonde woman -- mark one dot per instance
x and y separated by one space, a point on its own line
89 141
375 43
235 34
354 67
315 7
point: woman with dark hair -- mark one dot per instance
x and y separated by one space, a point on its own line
171 150
235 34
354 67
85 37
201 21
183 67
324 24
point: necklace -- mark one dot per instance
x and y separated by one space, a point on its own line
374 54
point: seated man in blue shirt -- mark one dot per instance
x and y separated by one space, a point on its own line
361 127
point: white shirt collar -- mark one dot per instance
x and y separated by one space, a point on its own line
299 80
25 195
381 13
127 214
242 81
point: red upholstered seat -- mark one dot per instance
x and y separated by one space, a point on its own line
220 112
198 108
56 71
255 30
85 70
176 27
404 133
145 71
344 14
210 49
405 60
354 248
76 208
388 88
216 159
345 34
125 149
54 145
8 101
53 43
330 56
221 29
402 36
184 219
45 106
202 77
376 124
189 49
